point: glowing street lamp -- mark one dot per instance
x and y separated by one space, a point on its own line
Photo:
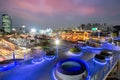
23 29
13 29
23 26
33 30
57 42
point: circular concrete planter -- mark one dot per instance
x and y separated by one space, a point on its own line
71 70
107 54
100 59
9 64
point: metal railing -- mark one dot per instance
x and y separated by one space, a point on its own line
107 68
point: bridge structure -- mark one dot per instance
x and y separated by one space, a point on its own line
101 71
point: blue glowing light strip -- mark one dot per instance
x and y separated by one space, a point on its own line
96 51
53 74
7 67
49 58
110 58
54 69
35 62
101 63
88 77
74 54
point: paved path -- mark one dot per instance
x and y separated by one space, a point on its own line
42 71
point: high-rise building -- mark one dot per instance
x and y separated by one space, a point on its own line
6 23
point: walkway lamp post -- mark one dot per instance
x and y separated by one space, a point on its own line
23 29
98 34
57 42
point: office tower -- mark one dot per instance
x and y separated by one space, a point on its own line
6 23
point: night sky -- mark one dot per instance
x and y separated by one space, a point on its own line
60 13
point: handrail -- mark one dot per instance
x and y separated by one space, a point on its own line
108 70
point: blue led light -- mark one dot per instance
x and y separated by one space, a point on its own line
88 77
108 58
7 67
37 62
101 63
96 51
74 54
95 48
71 59
53 74
49 58
85 47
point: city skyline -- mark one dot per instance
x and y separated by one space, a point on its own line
60 13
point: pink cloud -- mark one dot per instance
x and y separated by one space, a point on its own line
33 6
51 7
59 11
68 6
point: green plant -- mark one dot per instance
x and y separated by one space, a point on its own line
74 50
46 47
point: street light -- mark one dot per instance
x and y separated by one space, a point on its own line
112 39
23 26
23 29
13 29
98 34
57 42
33 30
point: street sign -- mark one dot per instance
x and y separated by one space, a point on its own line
94 29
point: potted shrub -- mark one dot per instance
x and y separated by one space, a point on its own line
106 53
50 54
75 49
99 58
